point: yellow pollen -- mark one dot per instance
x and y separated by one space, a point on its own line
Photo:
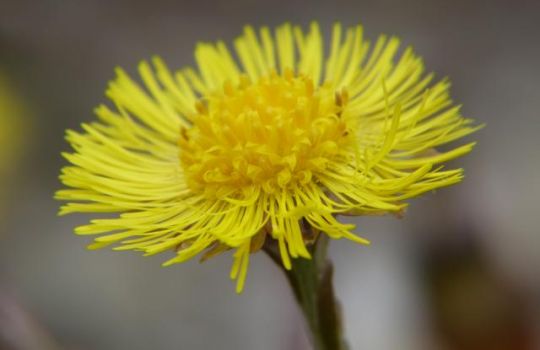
274 133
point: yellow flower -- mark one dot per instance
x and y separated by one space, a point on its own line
261 146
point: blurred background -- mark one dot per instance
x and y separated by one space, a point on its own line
460 271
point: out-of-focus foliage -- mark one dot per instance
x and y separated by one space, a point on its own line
12 140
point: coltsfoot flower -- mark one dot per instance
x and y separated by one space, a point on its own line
259 143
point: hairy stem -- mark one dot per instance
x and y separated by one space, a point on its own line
311 283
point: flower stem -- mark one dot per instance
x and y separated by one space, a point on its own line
311 283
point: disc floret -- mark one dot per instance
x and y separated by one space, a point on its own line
273 133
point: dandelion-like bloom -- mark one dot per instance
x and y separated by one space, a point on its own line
260 143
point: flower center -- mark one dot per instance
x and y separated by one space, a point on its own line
273 133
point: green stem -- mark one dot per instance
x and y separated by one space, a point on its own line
311 283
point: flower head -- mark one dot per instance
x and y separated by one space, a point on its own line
254 148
